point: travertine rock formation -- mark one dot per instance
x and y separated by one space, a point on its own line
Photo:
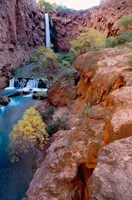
112 178
104 100
21 27
67 25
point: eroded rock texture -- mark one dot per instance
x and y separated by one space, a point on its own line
104 100
21 27
112 178
67 25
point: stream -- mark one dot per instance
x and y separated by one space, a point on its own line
14 177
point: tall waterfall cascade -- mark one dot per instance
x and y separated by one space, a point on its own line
47 30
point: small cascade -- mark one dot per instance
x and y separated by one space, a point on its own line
27 85
32 84
11 84
47 27
22 83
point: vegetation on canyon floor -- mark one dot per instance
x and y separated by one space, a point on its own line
90 39
54 125
27 133
56 65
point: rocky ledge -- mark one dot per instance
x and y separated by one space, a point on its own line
104 100
112 177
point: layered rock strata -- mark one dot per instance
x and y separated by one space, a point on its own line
104 100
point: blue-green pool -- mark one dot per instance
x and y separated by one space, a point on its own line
14 178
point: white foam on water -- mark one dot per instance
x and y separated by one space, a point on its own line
13 102
2 108
9 88
28 95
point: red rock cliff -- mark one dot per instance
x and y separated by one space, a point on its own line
104 93
67 25
21 27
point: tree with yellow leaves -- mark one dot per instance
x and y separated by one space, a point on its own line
27 133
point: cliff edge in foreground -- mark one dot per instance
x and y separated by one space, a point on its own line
104 100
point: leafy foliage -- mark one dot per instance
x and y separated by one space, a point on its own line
27 133
90 39
120 39
47 6
126 21
65 59
48 112
45 58
86 110
44 55
60 123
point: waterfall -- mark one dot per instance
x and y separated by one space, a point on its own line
32 84
11 83
47 30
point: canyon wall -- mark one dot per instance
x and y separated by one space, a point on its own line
21 27
103 115
67 25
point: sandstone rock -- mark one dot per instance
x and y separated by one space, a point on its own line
61 174
62 93
104 101
112 178
104 73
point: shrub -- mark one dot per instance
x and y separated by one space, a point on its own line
126 21
46 6
48 112
120 39
44 55
27 133
90 39
60 123
85 111
65 59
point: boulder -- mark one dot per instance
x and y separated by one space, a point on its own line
112 178
4 100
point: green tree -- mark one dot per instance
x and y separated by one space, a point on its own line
27 133
126 21
90 39
44 55
46 6
45 59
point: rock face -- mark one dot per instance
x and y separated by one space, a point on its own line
21 27
4 100
65 26
104 100
62 93
112 177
